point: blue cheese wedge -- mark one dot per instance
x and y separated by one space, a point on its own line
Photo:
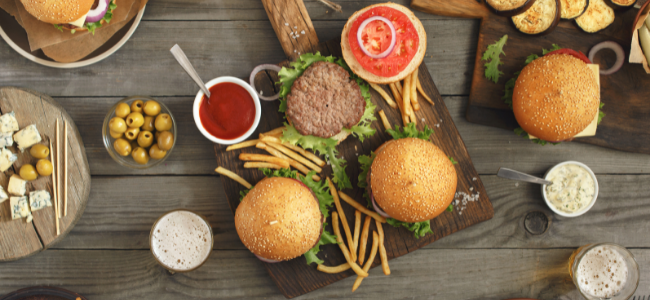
27 137
7 159
17 186
6 140
39 200
8 123
3 195
20 208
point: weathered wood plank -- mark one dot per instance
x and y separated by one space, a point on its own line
427 273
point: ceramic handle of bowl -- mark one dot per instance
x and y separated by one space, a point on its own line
187 66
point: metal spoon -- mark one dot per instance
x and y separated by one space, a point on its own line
187 66
516 175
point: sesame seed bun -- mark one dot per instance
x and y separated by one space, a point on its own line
412 180
279 219
555 97
356 66
58 11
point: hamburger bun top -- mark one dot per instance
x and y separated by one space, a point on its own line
412 180
358 69
279 219
58 11
555 97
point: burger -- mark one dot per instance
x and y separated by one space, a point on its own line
409 180
282 217
383 43
557 97
72 15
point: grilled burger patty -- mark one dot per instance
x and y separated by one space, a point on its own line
323 100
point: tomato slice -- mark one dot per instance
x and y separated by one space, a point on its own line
577 54
377 37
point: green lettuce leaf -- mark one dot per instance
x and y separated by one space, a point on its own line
453 161
601 114
58 27
491 55
107 18
450 207
411 131
419 229
325 238
365 161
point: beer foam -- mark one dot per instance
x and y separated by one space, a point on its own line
602 272
181 240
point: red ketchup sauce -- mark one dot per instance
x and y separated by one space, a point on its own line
229 113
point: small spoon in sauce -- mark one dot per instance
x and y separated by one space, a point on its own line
519 176
187 66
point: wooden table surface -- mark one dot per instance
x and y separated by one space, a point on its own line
106 256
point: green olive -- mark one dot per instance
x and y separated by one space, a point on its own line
148 123
135 119
27 172
163 122
151 108
44 167
145 139
39 151
137 106
156 153
122 147
132 133
165 140
122 110
115 135
140 155
117 125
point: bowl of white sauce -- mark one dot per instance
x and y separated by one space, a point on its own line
574 190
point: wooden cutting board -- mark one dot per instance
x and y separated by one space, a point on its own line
295 277
625 94
19 239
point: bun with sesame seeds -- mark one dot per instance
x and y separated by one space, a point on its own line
58 11
279 219
412 180
556 97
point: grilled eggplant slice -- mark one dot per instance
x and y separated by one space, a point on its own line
597 17
509 8
622 4
572 9
541 18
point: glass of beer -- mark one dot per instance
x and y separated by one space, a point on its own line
181 240
604 271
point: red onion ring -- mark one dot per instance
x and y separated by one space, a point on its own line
97 14
377 209
257 70
620 55
392 41
270 261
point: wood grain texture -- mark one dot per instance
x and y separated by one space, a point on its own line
294 277
32 107
457 8
292 26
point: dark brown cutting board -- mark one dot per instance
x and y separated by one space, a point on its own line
626 93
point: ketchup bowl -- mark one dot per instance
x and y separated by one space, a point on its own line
231 114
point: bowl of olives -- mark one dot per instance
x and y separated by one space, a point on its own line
139 132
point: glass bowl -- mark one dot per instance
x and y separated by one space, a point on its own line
128 161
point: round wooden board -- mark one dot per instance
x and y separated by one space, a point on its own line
19 239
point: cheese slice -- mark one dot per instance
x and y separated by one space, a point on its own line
80 23
590 130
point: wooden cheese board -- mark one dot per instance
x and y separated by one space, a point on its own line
626 126
18 238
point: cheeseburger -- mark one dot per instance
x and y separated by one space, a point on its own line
73 15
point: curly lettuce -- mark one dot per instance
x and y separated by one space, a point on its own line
419 229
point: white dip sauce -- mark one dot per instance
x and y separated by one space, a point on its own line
572 189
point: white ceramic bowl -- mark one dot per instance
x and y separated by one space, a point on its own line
581 212
199 98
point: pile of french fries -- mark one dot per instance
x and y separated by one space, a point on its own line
406 97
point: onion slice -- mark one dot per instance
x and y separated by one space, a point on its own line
257 70
620 55
270 261
97 14
392 41
377 209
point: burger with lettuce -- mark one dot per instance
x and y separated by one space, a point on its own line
72 15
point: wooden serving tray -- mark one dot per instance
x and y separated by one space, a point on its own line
295 277
625 94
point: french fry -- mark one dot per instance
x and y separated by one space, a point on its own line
344 220
261 165
225 172
274 132
242 145
364 239
398 85
296 165
366 267
295 156
412 116
414 93
265 158
346 253
335 269
406 95
382 249
313 157
384 120
361 208
384 95
400 103
419 86
357 229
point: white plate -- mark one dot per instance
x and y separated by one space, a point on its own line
77 64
